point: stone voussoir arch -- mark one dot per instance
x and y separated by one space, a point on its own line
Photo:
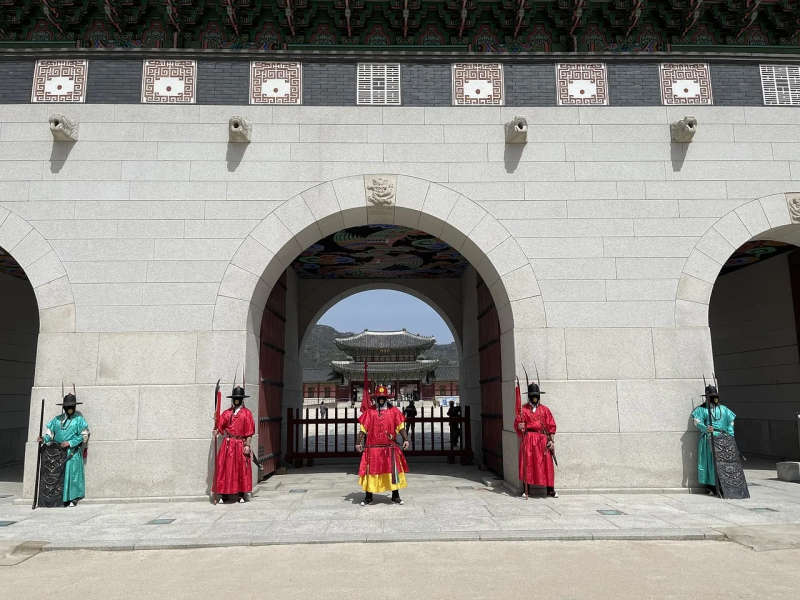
334 205
713 249
44 269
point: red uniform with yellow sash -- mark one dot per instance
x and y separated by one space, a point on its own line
383 466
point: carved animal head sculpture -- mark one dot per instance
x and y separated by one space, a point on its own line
683 131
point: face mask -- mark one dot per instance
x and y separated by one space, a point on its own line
237 402
70 411
534 400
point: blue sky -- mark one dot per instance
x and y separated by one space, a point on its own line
385 310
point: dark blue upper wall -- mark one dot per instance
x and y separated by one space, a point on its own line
226 81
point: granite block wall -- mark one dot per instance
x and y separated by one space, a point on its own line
154 245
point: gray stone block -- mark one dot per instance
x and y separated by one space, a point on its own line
788 470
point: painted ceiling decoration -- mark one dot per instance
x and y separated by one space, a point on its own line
476 25
379 252
9 266
753 253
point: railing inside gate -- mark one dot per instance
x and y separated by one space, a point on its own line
311 436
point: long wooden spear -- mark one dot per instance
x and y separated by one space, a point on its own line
711 439
217 401
38 458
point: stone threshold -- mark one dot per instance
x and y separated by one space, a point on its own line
491 484
134 499
550 535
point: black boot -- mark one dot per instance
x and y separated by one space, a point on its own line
396 497
367 499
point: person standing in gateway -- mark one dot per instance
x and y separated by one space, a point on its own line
721 421
71 432
536 427
383 466
233 474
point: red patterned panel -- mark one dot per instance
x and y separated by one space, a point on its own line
271 374
490 380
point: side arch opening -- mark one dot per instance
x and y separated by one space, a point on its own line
19 330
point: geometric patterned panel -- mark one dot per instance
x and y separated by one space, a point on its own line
378 83
59 81
476 84
581 84
275 82
780 85
169 81
685 83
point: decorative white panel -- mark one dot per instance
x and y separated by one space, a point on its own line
581 84
780 84
478 84
378 83
169 81
59 81
685 83
276 82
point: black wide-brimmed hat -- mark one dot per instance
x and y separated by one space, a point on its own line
533 390
238 392
70 401
711 392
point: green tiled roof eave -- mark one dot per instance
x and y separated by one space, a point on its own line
384 342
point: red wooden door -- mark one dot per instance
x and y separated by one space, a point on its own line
490 380
270 395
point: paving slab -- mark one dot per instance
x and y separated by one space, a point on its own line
442 503
765 537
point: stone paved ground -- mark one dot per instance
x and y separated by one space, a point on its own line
442 503
598 570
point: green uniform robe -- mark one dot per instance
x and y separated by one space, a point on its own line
722 421
63 429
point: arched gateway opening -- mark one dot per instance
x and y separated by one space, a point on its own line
19 329
409 346
746 268
381 231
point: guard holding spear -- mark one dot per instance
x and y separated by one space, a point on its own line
719 466
61 480
232 471
535 426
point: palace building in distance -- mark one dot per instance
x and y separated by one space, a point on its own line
606 193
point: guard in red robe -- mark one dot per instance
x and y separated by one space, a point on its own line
233 473
383 466
536 427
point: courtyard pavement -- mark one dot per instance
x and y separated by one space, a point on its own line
442 503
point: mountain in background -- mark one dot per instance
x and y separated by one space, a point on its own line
320 349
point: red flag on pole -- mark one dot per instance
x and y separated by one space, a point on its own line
366 403
218 402
517 401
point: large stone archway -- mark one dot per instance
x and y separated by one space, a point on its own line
52 334
44 270
324 209
751 220
751 312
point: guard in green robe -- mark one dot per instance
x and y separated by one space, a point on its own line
721 422
70 431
